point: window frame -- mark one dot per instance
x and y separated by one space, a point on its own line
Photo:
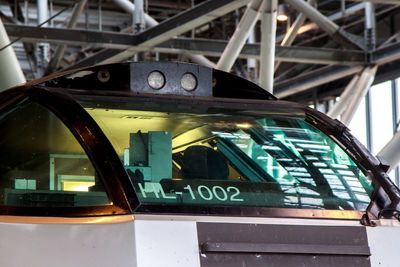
94 143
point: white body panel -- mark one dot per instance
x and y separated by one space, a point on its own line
143 241
166 243
77 245
383 242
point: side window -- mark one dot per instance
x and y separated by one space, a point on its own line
42 164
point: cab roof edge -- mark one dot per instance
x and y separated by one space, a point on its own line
160 78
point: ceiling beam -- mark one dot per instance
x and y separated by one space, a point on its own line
59 51
386 54
129 7
326 24
335 16
312 79
207 47
381 56
297 54
174 26
390 2
71 36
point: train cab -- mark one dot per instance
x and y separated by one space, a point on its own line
174 164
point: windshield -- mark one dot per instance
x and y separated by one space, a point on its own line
218 157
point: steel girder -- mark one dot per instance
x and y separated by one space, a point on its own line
207 47
167 29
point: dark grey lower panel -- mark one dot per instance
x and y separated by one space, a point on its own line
230 244
281 260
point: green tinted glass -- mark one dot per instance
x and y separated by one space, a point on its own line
226 158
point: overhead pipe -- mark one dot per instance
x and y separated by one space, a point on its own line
390 152
313 14
251 62
43 53
42 12
313 79
267 56
327 74
338 15
325 23
129 7
139 15
364 83
10 71
239 37
201 60
339 107
370 26
320 77
293 30
59 52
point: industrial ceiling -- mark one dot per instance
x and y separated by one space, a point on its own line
312 55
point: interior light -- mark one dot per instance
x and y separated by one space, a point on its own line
243 125
76 186
282 15
156 80
188 82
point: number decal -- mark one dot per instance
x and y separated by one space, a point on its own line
237 192
142 190
189 188
224 194
210 194
207 193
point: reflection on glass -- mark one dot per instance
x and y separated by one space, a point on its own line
42 164
213 156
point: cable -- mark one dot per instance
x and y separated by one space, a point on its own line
38 26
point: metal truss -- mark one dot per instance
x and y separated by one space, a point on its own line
325 44
181 23
207 47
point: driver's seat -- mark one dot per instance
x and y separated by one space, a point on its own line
201 162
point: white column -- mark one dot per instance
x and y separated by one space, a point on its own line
43 48
10 71
268 33
252 62
139 15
